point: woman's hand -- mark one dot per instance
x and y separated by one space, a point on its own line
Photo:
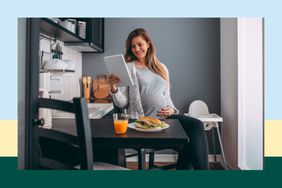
165 112
113 80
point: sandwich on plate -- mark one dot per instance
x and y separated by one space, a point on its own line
146 122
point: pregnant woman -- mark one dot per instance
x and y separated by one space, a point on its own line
150 96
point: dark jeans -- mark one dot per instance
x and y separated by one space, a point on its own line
195 153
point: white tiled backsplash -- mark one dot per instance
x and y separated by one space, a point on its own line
68 83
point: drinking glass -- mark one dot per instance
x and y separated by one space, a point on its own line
120 122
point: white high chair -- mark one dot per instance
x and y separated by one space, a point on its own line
199 110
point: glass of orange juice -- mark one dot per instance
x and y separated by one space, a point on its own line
120 122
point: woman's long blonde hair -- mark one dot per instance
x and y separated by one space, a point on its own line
152 61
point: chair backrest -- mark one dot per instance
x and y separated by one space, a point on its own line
70 150
198 107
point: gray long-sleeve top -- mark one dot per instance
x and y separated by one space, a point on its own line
133 101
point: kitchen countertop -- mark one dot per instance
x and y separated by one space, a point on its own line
96 111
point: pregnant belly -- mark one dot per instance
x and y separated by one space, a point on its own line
151 105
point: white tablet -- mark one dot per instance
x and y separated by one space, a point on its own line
116 65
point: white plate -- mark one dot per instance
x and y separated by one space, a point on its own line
132 126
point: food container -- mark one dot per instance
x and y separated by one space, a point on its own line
56 20
81 30
69 24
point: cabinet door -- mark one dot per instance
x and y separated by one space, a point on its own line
96 32
28 91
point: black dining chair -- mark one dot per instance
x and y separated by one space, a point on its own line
60 150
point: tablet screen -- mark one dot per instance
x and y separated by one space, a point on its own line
116 65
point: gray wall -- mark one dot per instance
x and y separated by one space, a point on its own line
189 47
229 92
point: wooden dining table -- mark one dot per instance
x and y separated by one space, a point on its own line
104 137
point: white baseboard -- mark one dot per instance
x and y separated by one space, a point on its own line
158 158
170 158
